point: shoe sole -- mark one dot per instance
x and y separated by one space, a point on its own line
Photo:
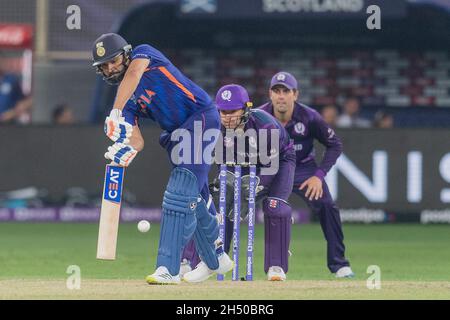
276 278
197 281
351 276
153 281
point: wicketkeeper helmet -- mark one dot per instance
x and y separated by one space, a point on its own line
234 97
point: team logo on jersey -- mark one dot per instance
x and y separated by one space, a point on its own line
300 128
100 49
330 133
273 153
193 205
239 132
226 95
228 142
281 77
252 142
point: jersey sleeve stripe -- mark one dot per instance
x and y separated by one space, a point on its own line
177 83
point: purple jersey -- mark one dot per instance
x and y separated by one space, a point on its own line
164 94
305 126
259 120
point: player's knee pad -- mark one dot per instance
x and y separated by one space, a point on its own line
190 252
178 217
206 234
276 208
277 233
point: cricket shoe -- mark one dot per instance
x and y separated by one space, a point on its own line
345 272
185 267
202 272
276 274
162 276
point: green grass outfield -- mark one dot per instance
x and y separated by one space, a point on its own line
414 262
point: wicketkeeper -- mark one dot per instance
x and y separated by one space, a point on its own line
273 189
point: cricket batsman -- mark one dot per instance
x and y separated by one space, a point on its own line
273 189
150 86
304 125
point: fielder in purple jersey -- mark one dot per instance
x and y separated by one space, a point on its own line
304 125
150 86
274 188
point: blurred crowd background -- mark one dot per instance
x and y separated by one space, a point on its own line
394 77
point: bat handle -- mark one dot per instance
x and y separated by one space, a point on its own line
114 164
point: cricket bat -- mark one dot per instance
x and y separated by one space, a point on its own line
110 212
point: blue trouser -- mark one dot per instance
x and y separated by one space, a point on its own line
208 120
198 165
329 216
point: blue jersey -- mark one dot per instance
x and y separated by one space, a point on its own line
164 94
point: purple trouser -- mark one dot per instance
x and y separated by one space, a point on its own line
277 220
277 216
329 217
190 254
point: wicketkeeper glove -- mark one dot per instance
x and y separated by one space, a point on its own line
116 128
121 154
215 192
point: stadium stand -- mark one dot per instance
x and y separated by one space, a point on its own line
410 80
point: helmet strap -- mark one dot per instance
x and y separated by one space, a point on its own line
117 78
246 114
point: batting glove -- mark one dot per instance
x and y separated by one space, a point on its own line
116 128
121 154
